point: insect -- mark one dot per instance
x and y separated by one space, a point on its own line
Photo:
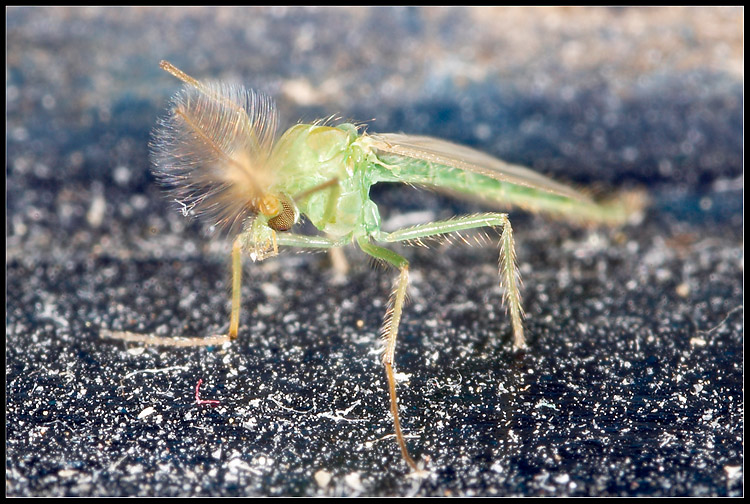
218 153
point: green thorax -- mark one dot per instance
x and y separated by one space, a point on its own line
308 156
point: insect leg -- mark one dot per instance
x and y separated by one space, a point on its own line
509 275
245 241
307 241
338 261
390 330
234 319
288 239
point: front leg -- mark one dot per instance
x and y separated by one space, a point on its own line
259 252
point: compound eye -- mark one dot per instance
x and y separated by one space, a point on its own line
285 218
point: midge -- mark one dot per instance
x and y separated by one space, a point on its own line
217 152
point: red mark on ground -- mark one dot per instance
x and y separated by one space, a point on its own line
198 399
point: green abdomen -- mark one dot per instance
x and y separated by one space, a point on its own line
475 186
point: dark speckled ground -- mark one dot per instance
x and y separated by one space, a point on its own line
632 384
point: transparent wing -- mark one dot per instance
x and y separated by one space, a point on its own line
465 158
211 150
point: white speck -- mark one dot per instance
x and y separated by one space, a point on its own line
301 91
562 479
483 131
146 412
216 453
139 201
545 404
95 215
264 461
354 482
630 154
733 472
683 290
322 478
237 464
122 175
401 377
697 342
136 350
19 134
270 290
